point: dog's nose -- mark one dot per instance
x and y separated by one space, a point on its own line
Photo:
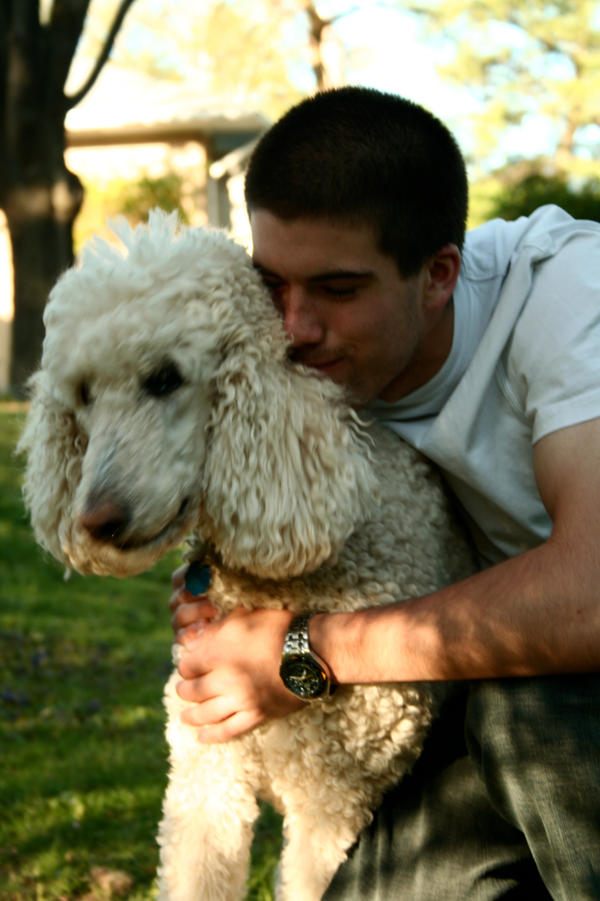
105 520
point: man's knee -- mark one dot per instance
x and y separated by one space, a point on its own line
535 743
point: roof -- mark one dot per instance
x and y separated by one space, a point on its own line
128 107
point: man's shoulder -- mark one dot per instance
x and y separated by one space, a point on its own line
490 248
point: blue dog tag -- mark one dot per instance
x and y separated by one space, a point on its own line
197 578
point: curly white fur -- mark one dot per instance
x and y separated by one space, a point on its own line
165 396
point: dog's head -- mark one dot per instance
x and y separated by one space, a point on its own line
165 403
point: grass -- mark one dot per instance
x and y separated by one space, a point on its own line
82 754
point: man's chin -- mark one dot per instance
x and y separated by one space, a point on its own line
339 371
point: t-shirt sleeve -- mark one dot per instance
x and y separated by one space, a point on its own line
553 362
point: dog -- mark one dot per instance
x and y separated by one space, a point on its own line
166 405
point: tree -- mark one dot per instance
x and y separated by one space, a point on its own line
325 51
248 53
535 64
535 189
39 196
230 52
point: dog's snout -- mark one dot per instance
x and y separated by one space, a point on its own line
105 519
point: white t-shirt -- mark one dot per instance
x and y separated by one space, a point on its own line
525 361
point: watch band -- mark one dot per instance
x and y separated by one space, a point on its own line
296 639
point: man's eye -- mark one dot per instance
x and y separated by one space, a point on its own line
277 293
339 290
273 287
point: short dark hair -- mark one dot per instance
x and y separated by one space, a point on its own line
363 156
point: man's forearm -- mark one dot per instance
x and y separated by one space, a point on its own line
532 615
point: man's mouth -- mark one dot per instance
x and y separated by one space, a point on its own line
324 366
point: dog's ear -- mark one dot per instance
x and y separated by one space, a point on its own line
288 475
54 449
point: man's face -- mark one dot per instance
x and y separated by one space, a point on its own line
347 310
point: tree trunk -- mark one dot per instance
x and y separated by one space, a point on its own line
326 52
41 236
39 196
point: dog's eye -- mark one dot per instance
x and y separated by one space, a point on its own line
163 381
83 394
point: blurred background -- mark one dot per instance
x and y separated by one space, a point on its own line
112 107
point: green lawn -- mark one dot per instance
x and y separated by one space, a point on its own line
82 754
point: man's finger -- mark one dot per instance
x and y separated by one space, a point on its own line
188 613
232 727
209 713
178 577
188 637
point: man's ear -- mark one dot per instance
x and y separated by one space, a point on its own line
441 275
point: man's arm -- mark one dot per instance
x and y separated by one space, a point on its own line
535 614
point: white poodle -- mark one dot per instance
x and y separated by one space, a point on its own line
165 403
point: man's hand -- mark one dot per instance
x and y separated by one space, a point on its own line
231 666
188 610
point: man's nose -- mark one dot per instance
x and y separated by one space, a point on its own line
301 319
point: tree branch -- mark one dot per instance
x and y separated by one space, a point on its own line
73 99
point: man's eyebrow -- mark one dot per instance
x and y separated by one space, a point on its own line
263 271
334 274
327 275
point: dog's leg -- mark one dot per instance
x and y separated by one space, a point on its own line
323 813
328 773
316 843
205 849
208 814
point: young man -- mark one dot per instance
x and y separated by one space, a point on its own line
484 356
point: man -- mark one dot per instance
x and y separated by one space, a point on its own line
484 356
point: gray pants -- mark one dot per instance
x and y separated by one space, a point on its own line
504 802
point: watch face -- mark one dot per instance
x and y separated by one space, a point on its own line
304 677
